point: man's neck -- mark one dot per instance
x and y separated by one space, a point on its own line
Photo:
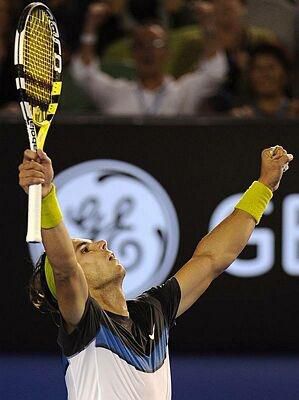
152 82
270 105
111 298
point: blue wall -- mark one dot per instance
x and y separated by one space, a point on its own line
201 378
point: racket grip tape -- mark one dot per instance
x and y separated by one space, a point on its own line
34 214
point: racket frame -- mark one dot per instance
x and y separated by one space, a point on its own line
36 131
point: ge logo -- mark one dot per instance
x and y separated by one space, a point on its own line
123 204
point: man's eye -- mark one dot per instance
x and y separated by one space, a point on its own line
84 249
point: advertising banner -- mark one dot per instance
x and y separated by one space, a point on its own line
153 190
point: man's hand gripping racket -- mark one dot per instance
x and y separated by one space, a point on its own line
36 169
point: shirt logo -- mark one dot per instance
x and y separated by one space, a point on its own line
152 336
123 204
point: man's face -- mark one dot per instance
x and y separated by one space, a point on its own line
99 264
149 50
267 76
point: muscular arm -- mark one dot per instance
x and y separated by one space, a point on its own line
71 286
205 81
85 67
216 251
96 15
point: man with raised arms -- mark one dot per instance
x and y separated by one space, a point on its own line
153 93
118 349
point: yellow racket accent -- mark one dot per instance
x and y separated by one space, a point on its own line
42 134
52 108
56 90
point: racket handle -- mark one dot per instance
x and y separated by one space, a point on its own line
34 214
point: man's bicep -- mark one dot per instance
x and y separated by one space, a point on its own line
72 294
194 278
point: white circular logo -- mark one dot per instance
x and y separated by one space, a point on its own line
123 204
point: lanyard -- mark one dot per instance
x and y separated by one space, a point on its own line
155 106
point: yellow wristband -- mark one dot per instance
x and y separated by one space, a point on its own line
255 200
51 212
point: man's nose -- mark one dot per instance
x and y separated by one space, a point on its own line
102 244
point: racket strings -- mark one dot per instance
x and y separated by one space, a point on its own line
38 60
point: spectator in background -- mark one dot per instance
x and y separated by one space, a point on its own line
269 72
153 93
114 27
237 40
73 99
225 19
123 15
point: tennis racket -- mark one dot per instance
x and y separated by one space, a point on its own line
38 64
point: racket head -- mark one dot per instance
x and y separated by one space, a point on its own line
38 61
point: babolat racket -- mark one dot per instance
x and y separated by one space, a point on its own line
39 66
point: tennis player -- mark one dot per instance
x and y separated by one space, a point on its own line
118 349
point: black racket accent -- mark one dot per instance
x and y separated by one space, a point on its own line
20 70
55 99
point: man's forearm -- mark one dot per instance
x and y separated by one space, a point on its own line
224 243
88 41
56 240
221 247
96 15
228 239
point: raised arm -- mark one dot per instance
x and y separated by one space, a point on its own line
216 251
71 286
205 81
96 15
102 88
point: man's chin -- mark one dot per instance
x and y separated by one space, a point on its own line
122 269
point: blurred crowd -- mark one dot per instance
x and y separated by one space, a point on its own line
233 58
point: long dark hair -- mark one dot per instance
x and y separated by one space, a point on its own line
39 292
